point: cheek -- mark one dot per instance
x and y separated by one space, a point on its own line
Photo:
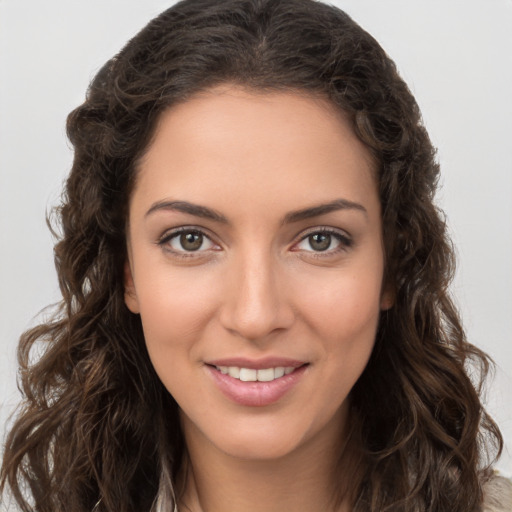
175 307
342 311
344 317
343 305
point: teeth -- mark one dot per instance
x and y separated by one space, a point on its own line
248 375
266 375
234 372
252 375
278 372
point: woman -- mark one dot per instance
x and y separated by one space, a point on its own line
255 312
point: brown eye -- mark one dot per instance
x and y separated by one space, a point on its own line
191 241
187 241
324 241
320 241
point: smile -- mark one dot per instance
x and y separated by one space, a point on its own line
255 375
242 383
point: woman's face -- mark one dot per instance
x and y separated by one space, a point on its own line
256 264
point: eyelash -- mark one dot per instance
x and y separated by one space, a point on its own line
345 242
168 236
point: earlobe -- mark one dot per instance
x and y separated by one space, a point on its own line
387 299
130 295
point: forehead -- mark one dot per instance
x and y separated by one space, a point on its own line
275 144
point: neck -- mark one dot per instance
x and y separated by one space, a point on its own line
316 478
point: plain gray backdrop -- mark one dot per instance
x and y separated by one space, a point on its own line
456 57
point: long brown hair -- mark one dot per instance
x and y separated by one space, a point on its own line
97 429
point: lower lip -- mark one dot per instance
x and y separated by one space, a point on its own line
256 394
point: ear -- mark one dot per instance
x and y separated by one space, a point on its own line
387 298
130 295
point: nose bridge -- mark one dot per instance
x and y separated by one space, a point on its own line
256 303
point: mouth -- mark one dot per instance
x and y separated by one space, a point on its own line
261 383
255 375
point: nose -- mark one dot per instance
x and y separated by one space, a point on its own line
255 304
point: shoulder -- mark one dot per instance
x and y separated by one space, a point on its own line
497 494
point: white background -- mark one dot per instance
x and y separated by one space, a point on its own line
455 55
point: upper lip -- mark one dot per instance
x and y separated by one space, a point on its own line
257 364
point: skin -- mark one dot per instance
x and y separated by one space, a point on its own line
258 286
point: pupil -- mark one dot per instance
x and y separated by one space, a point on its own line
320 242
191 241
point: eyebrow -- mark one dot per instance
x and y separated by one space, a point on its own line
323 209
190 208
291 217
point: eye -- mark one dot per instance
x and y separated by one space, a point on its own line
186 240
326 241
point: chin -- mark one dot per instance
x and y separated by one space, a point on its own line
262 438
259 447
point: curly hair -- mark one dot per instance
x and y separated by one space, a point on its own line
97 430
